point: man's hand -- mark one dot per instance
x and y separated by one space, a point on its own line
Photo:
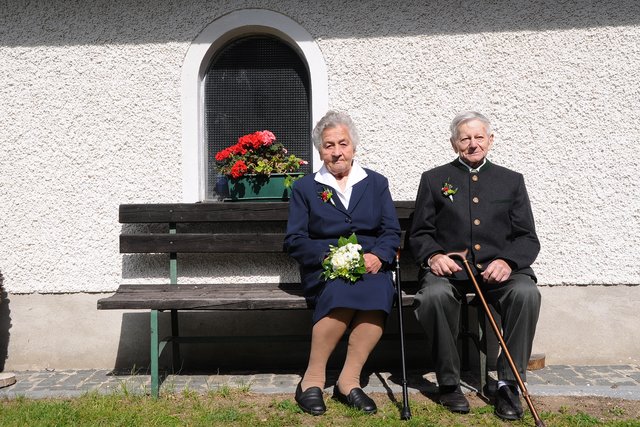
372 263
442 265
498 271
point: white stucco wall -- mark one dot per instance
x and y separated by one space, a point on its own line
91 117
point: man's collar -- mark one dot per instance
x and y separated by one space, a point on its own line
473 170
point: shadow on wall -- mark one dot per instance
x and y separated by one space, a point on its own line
276 341
5 324
233 350
31 24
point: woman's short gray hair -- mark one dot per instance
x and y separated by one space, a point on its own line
464 117
333 119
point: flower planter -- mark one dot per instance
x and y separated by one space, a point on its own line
260 188
252 155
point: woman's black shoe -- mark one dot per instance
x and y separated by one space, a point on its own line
310 401
356 399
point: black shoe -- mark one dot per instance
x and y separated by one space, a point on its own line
452 398
356 399
310 401
508 406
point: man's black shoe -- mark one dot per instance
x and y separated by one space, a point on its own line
452 398
356 399
310 401
508 406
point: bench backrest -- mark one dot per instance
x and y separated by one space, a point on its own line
220 236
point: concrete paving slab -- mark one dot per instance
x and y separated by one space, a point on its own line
616 381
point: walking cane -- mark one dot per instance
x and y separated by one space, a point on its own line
525 393
405 414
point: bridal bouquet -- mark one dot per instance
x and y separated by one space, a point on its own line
344 261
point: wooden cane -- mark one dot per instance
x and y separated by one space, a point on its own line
405 414
525 393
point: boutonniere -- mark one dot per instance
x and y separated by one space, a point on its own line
448 190
326 195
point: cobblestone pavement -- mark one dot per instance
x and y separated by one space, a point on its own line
618 381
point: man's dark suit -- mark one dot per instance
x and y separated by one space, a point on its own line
491 216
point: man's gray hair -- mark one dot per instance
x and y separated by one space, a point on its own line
464 117
333 119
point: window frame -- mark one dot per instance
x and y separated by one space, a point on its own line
199 55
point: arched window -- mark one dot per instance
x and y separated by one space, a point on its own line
223 48
254 83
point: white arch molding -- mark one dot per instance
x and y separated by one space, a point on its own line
208 42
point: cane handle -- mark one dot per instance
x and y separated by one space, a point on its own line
462 255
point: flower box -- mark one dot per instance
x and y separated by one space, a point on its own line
256 168
260 187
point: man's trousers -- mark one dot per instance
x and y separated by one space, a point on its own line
437 307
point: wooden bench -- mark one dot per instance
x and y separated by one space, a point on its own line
217 228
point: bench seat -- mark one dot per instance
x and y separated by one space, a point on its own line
266 296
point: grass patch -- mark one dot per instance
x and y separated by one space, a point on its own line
229 406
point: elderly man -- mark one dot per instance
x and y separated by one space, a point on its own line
475 204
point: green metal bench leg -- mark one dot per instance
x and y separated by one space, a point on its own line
155 380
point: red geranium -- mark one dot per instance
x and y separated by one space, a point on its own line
238 169
256 153
223 155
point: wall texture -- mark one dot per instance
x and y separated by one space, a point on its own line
91 117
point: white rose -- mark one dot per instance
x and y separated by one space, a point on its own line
338 260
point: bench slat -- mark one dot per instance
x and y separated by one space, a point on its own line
404 210
203 297
204 212
220 212
266 296
202 243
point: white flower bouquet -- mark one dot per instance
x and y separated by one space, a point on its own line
344 261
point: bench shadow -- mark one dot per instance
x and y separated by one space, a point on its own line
282 347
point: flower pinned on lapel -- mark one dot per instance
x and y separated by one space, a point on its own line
448 190
326 195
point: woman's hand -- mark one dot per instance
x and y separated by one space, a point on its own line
372 263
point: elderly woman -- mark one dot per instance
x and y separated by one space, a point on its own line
340 199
